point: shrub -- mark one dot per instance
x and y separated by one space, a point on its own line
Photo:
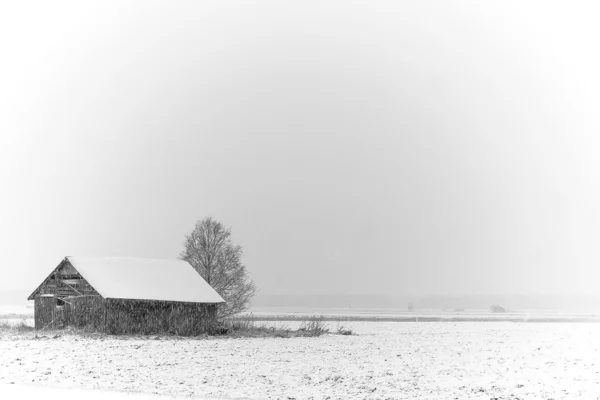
346 332
314 326
249 327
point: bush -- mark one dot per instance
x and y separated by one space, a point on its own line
249 327
314 326
346 332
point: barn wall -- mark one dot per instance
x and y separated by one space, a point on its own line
125 316
86 312
43 311
147 317
78 312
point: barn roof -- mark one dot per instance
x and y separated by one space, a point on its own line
145 279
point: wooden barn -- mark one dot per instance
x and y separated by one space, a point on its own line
126 296
497 308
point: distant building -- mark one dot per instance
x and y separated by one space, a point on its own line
126 295
496 308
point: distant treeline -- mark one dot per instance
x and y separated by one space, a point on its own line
569 303
356 318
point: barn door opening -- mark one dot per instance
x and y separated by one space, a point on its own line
60 314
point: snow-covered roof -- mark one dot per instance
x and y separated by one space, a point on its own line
145 279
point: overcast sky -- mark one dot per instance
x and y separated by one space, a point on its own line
406 147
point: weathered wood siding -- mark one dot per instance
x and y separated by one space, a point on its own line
43 309
125 316
66 281
148 317
78 312
86 312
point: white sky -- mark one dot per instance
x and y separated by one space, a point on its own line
353 147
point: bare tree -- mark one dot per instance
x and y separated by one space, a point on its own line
208 248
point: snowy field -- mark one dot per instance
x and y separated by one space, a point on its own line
432 360
11 391
14 312
25 312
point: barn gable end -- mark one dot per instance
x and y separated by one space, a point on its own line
64 282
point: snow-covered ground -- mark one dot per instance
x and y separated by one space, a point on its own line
12 391
391 312
17 313
434 360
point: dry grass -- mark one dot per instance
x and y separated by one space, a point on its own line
314 326
249 327
19 327
230 328
341 330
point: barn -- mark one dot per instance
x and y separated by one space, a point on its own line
497 308
122 295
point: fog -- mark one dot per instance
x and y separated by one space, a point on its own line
353 147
